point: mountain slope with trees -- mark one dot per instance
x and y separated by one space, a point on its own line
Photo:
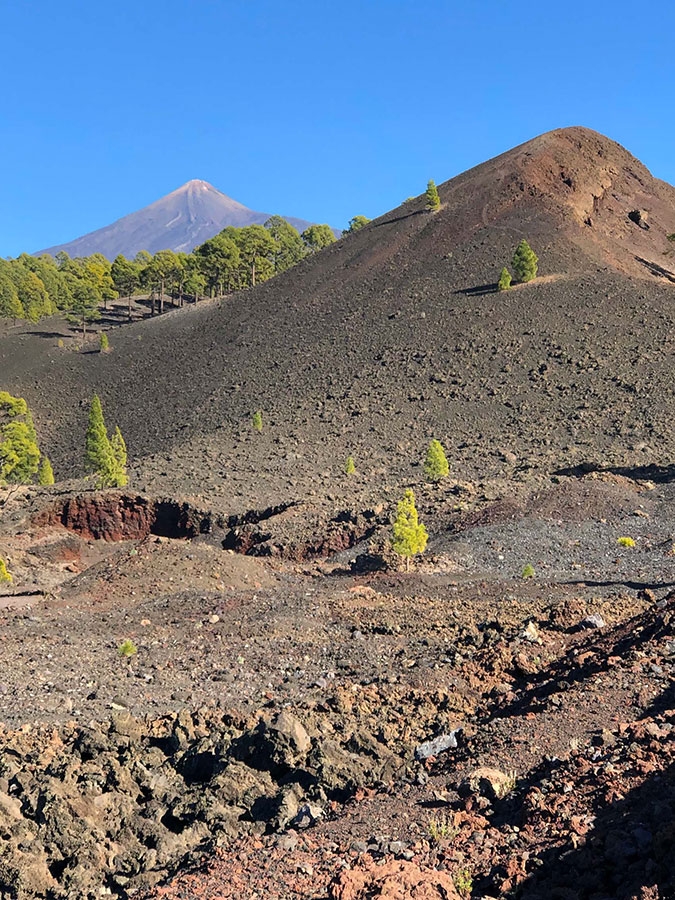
396 334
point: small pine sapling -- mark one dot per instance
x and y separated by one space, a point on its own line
504 282
433 201
257 420
528 571
436 464
45 473
350 466
5 574
104 343
127 648
525 262
410 536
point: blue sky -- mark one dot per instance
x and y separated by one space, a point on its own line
319 109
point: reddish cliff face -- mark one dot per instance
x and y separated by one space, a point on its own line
116 517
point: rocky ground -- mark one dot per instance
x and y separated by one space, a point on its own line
271 729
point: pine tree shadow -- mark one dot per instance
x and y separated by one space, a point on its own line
479 290
656 269
652 472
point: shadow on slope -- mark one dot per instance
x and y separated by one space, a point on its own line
602 823
623 847
618 642
652 472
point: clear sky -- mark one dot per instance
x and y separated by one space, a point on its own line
314 108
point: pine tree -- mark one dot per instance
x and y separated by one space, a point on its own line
410 537
34 297
504 283
119 450
5 575
350 466
99 456
104 343
84 304
19 452
257 420
525 262
10 305
45 475
432 198
436 464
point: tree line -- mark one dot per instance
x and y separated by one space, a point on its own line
34 287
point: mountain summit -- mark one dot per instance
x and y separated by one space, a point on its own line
179 221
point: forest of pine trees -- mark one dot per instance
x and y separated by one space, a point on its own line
34 287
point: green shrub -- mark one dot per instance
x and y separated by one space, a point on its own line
440 828
528 571
625 542
436 464
463 881
504 282
525 262
257 420
104 343
350 466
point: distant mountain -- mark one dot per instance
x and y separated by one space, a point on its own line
179 221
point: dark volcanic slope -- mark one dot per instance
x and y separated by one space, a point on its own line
180 221
393 335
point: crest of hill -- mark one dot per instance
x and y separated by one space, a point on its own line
180 221
596 193
395 334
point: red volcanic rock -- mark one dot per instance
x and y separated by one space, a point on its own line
395 880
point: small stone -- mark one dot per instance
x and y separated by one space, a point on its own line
593 621
214 619
531 633
438 745
288 842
